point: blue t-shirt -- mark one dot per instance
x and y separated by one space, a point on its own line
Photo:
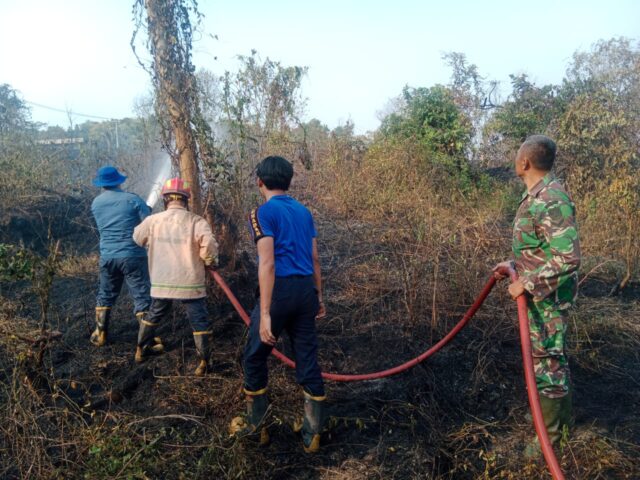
117 213
291 226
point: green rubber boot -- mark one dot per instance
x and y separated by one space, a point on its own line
557 414
251 424
312 423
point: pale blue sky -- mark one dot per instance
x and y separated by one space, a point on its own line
75 54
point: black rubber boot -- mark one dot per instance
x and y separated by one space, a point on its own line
148 344
312 423
99 335
557 414
251 424
203 347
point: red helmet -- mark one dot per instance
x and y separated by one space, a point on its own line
178 186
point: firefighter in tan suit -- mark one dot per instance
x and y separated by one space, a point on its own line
180 246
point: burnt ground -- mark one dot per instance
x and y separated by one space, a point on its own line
36 220
461 414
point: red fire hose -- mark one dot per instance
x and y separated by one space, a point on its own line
532 391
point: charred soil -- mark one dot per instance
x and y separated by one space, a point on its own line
94 413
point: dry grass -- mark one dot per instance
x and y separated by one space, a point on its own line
84 266
404 249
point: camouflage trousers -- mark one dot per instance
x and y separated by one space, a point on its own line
547 329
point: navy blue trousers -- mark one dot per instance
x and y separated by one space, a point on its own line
132 270
196 310
294 306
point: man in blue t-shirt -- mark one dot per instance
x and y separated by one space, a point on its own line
117 213
290 299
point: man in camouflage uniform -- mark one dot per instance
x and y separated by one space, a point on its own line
546 253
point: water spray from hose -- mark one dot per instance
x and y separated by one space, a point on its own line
163 166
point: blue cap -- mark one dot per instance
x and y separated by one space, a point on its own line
108 177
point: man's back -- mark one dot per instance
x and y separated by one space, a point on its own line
291 225
546 246
180 243
117 213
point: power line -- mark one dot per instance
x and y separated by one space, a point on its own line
85 115
54 109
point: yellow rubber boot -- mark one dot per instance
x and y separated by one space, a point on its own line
203 347
147 344
202 368
99 335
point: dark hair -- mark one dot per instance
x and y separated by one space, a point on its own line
541 151
275 172
175 197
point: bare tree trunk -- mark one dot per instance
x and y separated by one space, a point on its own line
173 87
189 164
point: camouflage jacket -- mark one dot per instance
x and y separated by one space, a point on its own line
546 248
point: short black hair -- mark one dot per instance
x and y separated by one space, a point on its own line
175 197
275 172
541 151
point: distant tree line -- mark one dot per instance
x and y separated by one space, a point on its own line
463 127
